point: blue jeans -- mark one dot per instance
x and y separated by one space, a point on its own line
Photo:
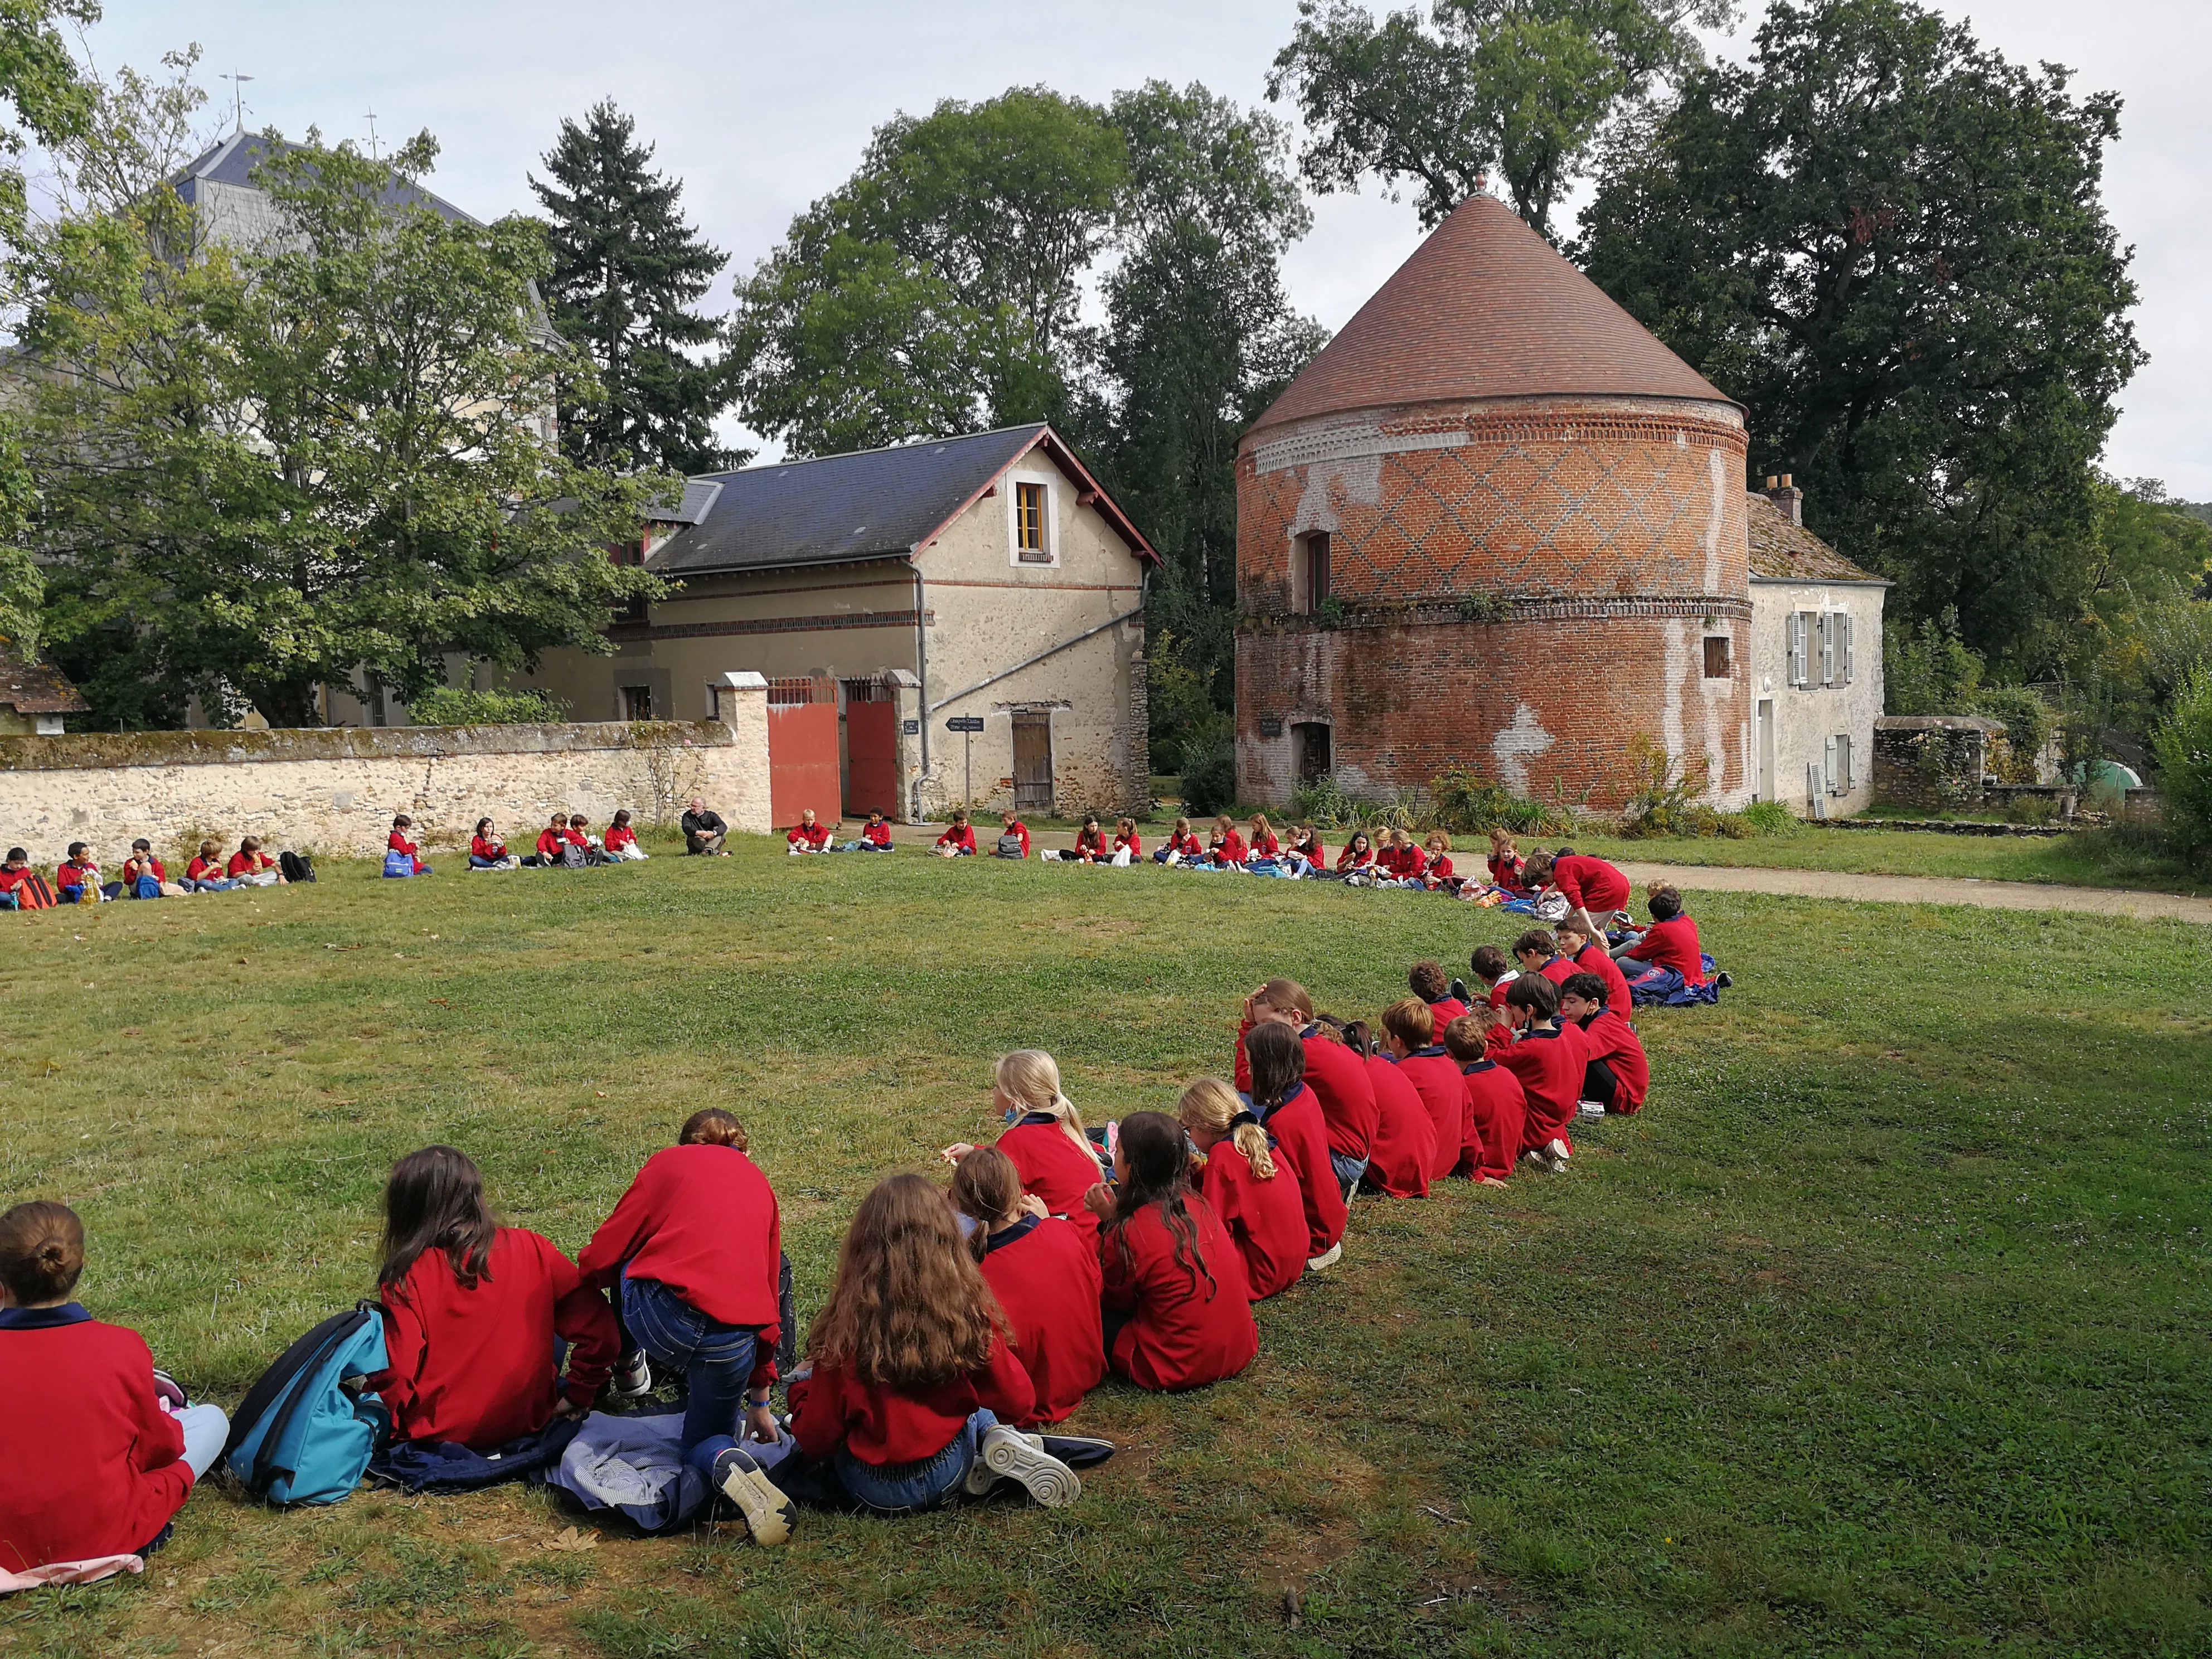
902 1488
1348 1170
715 1358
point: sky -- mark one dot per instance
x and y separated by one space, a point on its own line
760 108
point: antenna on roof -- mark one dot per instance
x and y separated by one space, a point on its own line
237 96
371 118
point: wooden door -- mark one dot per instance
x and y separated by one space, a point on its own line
871 780
1033 763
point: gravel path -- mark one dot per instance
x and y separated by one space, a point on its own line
1926 890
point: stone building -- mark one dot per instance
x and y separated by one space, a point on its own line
986 577
36 698
1496 525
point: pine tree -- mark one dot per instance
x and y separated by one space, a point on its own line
627 267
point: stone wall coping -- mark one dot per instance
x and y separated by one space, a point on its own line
110 750
1939 723
745 679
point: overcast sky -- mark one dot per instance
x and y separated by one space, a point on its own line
761 107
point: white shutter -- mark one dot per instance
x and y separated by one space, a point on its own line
1828 653
1828 765
1843 647
1839 773
1794 651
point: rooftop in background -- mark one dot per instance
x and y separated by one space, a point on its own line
1485 309
233 162
842 509
33 687
1783 551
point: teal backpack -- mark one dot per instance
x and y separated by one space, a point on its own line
298 1437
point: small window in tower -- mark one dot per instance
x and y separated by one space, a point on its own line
1316 572
1029 523
1717 656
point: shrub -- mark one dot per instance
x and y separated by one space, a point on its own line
1463 804
1324 805
1209 768
1661 803
2028 723
449 706
2184 748
1770 817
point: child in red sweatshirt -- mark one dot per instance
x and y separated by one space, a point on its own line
958 840
399 842
1044 1137
1173 1276
1180 846
1587 956
1422 1062
912 1388
1273 1059
621 840
1496 1109
1337 1077
473 1313
1399 1162
695 1250
1671 941
94 1460
1045 1273
1257 1200
1426 981
552 843
1618 1075
876 834
1550 1060
806 835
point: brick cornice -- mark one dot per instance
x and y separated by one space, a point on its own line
1503 612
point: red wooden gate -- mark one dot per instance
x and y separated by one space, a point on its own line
802 749
871 779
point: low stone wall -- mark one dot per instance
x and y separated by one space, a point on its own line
335 792
1933 762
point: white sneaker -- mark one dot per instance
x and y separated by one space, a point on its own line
1558 1151
1009 1454
1590 1108
766 1511
1328 1258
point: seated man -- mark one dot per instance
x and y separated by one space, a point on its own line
704 831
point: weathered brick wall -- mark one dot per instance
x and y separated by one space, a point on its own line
1523 587
335 792
1933 762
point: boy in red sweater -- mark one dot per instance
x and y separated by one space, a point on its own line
1587 955
1496 1109
76 878
1490 964
806 835
1009 824
1590 885
1538 953
1550 1061
876 834
1426 981
552 841
958 840
1618 1075
1422 1062
398 842
1670 942
1275 1062
1333 1073
96 1458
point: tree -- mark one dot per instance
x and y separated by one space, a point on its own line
628 268
1889 243
264 468
1520 88
936 292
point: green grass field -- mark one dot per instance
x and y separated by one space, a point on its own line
1883 1330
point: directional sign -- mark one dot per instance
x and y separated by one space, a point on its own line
964 723
913 727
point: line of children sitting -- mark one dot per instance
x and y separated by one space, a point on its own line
78 879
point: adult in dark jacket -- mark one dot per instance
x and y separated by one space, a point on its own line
704 831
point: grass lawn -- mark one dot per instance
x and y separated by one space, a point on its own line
1885 1330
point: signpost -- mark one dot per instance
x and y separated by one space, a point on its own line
967 726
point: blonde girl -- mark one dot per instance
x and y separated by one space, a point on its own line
1264 844
1181 845
1044 1136
1257 1201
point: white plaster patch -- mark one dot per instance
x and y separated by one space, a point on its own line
1715 517
1516 745
1672 694
1356 480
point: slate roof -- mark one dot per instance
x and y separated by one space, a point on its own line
37 688
234 160
842 509
1783 551
1485 309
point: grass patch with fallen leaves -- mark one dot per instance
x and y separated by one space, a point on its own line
1883 1330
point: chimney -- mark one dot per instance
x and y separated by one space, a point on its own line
1787 497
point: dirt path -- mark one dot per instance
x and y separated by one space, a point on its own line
1926 890
1815 883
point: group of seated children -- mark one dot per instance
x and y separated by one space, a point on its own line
811 836
78 879
566 842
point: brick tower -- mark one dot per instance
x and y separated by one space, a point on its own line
1493 525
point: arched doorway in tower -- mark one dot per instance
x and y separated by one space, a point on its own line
1309 749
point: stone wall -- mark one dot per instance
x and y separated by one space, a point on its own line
1932 762
334 791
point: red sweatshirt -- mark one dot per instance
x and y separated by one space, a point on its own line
67 874
1090 845
1589 883
550 843
1231 850
251 863
1302 1141
814 837
1669 945
1405 1139
135 867
1351 859
1496 1120
1186 843
477 1366
89 1462
1055 1167
1443 1011
491 849
882 1425
877 834
397 842
961 836
1019 831
1550 1065
1497 991
1266 846
1506 873
1610 1039
702 1221
1594 960
1440 869
201 869
618 836
1045 1274
1435 1078
1132 843
1313 853
1185 1331
1339 1081
1265 1220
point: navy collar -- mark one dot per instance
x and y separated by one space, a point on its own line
42 1319
1532 1031
1478 1066
1028 1119
1014 1234
1429 1052
1278 1106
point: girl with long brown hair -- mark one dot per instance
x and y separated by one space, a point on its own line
473 1313
1177 1306
1045 1273
914 1388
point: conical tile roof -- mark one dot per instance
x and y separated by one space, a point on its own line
1484 308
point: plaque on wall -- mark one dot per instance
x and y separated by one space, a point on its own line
1270 728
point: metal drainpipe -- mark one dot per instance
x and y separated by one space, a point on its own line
922 673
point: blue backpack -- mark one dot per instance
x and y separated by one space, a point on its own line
398 864
298 1437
